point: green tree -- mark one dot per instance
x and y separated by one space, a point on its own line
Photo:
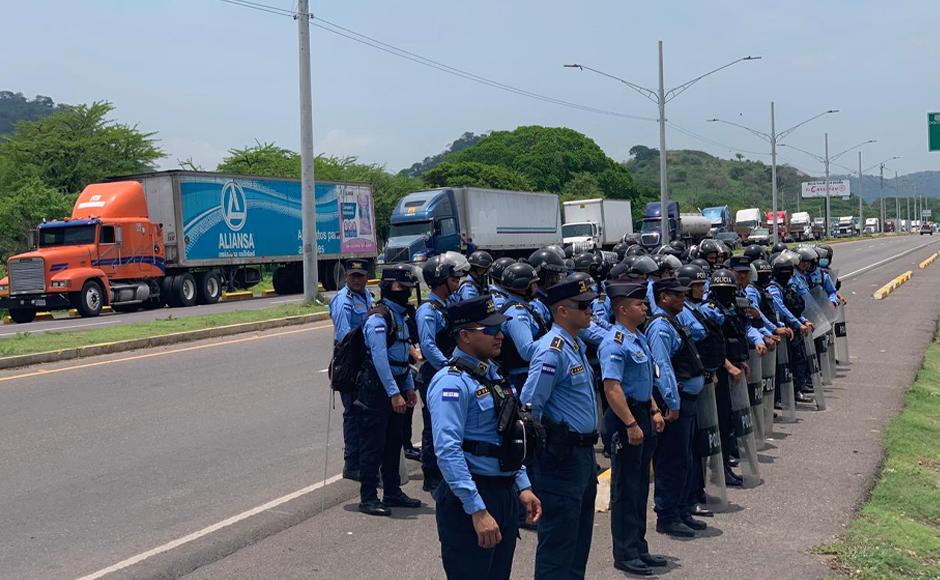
472 174
466 140
21 209
582 185
14 107
263 160
644 153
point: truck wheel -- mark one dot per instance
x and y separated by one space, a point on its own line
90 299
278 281
125 307
184 291
23 315
335 277
209 287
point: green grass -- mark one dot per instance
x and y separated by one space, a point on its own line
897 533
26 343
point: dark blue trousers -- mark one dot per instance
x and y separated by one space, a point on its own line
672 464
380 440
351 428
630 483
428 459
461 554
567 485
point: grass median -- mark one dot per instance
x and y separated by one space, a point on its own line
26 343
897 533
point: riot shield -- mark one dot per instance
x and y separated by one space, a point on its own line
769 381
755 394
825 361
785 382
814 314
744 431
708 442
822 300
810 346
842 337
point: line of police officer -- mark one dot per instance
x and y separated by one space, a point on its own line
518 357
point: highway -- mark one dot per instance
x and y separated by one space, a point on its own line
108 458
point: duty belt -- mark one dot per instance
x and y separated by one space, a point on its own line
496 480
481 448
579 440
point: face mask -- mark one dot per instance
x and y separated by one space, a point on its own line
399 297
724 295
824 262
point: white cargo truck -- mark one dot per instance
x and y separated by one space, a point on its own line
596 224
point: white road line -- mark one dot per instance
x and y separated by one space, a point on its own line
286 300
42 329
885 261
211 529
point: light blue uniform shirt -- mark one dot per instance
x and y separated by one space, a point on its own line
665 342
468 289
560 384
626 357
521 328
776 295
461 409
390 361
431 321
348 311
499 295
754 296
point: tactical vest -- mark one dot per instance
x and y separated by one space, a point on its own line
766 304
444 339
711 349
481 288
793 301
734 330
686 363
509 357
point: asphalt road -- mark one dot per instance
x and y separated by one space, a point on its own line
115 457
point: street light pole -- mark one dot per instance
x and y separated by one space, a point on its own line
773 173
307 188
663 183
861 215
828 211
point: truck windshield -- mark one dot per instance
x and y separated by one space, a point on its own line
66 236
577 230
712 213
651 226
749 224
409 229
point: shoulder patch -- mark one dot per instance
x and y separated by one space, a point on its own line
618 337
482 392
450 394
549 369
577 370
557 343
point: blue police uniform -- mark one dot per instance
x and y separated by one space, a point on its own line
541 306
387 374
626 358
462 409
776 296
348 311
432 323
602 312
560 388
500 296
469 288
753 294
522 330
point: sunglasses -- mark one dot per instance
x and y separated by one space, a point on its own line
488 330
579 305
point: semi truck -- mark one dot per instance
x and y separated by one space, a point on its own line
746 220
783 223
596 224
179 238
872 226
504 223
689 227
801 226
846 226
720 218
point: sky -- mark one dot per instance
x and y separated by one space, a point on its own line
208 76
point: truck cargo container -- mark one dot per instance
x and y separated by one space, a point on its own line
596 224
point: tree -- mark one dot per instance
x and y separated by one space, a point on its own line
466 140
472 174
582 185
75 146
643 153
263 160
21 209
14 107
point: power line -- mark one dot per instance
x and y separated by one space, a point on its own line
710 141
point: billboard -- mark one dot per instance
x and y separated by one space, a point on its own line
838 188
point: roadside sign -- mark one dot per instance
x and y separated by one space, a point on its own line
933 131
838 188
926 213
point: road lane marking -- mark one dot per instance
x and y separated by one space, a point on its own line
43 372
211 529
286 300
885 261
71 326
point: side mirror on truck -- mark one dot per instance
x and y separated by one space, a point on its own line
118 235
32 240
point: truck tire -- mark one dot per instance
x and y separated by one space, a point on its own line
335 277
278 281
23 315
209 287
184 290
125 307
90 299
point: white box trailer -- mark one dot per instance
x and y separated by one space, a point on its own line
596 223
506 220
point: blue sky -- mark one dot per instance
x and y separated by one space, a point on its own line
209 76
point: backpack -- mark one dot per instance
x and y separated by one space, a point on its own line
349 354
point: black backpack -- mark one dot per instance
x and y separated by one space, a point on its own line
349 354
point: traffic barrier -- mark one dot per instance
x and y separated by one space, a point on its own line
891 286
602 500
930 260
241 295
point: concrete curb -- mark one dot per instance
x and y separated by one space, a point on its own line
891 286
155 341
930 260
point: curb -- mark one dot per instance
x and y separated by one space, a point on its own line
893 285
930 260
241 295
155 341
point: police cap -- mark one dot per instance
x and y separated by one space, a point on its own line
626 290
478 311
669 285
575 290
360 267
740 263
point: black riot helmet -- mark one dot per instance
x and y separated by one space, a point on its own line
480 259
680 247
570 266
723 286
518 277
402 273
764 271
644 265
636 250
808 254
599 266
754 252
620 248
825 255
630 239
778 247
783 266
583 261
703 264
549 266
438 269
669 251
691 274
708 247
498 267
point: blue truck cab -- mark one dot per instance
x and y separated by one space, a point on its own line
720 218
423 224
651 230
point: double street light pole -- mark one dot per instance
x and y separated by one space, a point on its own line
661 97
774 139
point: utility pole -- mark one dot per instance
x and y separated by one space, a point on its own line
828 207
881 194
663 182
773 174
307 188
861 214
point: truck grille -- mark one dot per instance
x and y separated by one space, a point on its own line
396 255
27 276
650 239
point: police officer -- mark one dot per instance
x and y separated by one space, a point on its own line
386 391
560 388
761 301
477 504
476 282
550 268
681 380
524 326
348 308
496 276
790 304
635 419
442 276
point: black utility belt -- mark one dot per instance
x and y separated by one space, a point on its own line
576 439
687 397
482 448
494 480
639 404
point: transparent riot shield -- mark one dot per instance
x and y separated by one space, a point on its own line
842 337
708 440
814 314
825 306
769 382
818 394
825 362
785 382
744 431
755 394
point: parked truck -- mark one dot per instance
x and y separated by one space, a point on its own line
596 224
180 238
783 223
689 227
846 226
504 223
872 226
746 220
801 226
720 219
